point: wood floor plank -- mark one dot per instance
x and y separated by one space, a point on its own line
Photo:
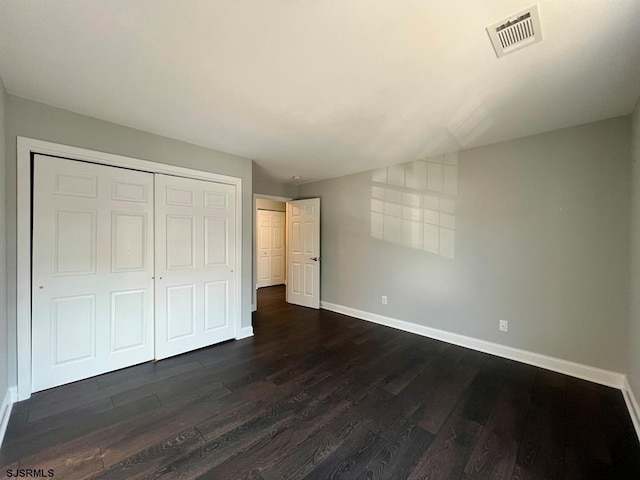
70 392
351 458
437 408
621 437
187 392
216 451
522 376
314 450
399 379
541 450
148 460
420 389
474 358
586 432
447 456
494 455
135 435
66 419
399 457
81 448
79 463
389 418
479 399
72 426
61 404
276 447
581 467
319 447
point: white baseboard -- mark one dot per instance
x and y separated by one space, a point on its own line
245 332
586 372
632 405
5 410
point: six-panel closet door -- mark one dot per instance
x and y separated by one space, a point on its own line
127 266
195 256
271 248
92 290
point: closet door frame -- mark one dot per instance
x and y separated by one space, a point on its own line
26 147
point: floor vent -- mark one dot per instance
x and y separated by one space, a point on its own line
516 32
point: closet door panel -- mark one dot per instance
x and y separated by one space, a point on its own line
271 248
195 282
92 291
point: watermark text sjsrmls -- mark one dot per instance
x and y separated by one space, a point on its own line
30 473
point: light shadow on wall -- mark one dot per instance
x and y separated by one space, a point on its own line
414 204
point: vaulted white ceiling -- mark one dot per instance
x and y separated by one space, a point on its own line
323 88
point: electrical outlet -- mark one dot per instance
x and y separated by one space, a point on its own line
384 299
503 325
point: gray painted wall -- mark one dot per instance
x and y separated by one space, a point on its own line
4 356
35 120
263 203
266 186
534 231
633 364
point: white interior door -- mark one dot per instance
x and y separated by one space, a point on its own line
271 251
92 286
303 252
278 251
264 248
195 261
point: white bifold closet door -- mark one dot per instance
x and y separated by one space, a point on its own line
195 286
92 291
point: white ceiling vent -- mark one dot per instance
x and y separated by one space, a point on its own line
516 32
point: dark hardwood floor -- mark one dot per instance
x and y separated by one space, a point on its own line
319 395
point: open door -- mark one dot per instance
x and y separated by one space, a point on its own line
303 252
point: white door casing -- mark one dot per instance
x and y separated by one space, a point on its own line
92 286
195 260
303 252
271 248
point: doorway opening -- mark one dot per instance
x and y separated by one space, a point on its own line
300 245
269 243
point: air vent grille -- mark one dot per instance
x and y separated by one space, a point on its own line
518 31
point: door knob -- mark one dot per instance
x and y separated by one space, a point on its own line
315 259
